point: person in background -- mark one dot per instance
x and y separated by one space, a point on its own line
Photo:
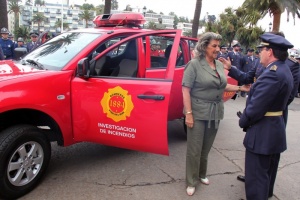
223 52
264 116
20 43
1 53
235 56
11 37
6 44
256 54
249 62
33 44
203 84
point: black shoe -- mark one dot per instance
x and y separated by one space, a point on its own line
241 178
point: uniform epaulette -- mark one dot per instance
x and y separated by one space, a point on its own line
273 68
293 59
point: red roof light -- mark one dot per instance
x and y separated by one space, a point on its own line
120 19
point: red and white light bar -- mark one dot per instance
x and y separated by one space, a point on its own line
120 19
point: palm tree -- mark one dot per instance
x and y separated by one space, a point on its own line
229 25
22 32
99 9
86 16
58 24
16 8
151 25
39 2
196 18
249 32
38 18
3 14
275 8
107 6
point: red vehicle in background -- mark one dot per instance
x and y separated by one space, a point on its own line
97 85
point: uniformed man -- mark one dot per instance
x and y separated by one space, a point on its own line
235 56
6 44
252 76
11 37
249 60
222 52
20 42
33 44
248 63
262 118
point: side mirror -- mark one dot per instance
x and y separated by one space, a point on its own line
20 52
83 68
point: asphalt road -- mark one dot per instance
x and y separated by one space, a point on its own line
89 171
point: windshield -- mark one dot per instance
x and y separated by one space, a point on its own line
56 53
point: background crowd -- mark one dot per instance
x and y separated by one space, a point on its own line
8 44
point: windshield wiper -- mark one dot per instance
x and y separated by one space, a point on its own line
39 65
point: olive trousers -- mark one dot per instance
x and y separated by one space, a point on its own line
200 139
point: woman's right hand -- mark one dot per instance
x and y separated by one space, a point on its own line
189 120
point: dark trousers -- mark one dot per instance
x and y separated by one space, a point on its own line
261 171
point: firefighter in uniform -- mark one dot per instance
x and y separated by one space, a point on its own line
6 44
263 118
252 76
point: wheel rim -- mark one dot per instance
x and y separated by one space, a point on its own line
25 163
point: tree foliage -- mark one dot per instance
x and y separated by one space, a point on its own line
114 5
22 32
86 15
38 18
15 7
275 8
87 6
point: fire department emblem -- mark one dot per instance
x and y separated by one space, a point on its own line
117 104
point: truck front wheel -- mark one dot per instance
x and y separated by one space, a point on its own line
24 157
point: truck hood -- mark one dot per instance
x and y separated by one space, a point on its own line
9 69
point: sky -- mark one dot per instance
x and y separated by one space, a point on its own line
186 8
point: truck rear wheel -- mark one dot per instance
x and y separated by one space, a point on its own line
24 157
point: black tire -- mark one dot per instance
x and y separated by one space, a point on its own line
24 157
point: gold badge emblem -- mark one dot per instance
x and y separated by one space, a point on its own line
273 68
117 104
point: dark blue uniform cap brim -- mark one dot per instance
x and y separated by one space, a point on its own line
274 41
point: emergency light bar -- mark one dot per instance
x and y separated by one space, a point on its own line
120 19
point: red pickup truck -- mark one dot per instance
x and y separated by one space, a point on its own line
101 85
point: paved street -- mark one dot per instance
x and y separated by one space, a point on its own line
90 171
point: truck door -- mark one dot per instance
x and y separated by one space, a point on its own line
118 107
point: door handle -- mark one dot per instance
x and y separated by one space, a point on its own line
155 97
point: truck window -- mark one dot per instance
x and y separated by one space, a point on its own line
59 51
120 62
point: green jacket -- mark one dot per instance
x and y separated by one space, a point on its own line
206 89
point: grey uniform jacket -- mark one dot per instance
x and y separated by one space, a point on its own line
206 89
